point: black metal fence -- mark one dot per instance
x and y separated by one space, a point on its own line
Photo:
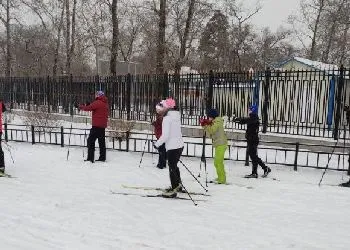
290 102
288 154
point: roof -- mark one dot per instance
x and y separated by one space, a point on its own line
313 64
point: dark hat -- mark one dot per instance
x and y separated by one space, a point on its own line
254 108
213 113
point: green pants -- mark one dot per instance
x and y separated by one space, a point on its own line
219 163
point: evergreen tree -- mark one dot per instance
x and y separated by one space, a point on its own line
214 43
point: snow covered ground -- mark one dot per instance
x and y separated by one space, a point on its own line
58 204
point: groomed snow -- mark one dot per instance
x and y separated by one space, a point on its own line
58 204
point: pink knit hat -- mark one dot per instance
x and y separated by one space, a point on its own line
168 103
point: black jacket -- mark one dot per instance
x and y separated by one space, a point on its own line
253 123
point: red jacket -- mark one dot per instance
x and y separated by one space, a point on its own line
99 110
158 126
2 109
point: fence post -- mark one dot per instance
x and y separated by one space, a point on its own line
128 96
33 135
246 158
209 102
297 145
127 141
338 99
71 111
62 136
266 99
6 132
11 93
48 93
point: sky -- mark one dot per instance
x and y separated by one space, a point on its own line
274 13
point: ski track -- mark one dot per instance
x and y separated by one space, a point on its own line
58 204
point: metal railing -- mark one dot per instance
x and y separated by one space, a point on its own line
299 102
288 154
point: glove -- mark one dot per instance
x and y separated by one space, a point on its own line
204 122
87 103
76 105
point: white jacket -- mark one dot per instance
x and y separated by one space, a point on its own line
171 131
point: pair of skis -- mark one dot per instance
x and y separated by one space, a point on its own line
157 195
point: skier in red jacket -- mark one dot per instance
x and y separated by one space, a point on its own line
158 133
2 160
100 110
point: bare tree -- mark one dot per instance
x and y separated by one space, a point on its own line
161 36
344 43
115 33
241 29
272 47
185 36
129 28
58 42
6 21
68 37
335 18
72 47
319 5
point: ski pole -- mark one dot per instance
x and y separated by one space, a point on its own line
342 176
206 173
329 158
203 155
144 147
144 150
70 134
84 137
188 194
206 190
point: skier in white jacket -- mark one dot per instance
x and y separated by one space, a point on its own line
172 137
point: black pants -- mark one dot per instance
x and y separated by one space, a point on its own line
252 148
162 157
174 172
2 159
96 133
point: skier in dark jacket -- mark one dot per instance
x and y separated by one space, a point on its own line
2 160
252 136
100 110
158 133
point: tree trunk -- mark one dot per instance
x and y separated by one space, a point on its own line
114 49
161 38
344 42
315 31
58 44
73 34
68 23
8 40
325 54
184 39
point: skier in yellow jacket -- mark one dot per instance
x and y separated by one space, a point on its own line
214 127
